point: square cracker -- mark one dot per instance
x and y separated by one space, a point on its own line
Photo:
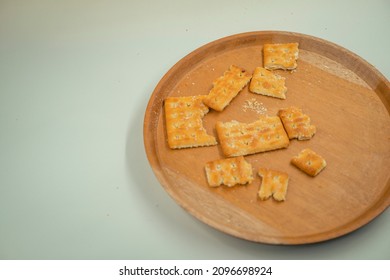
296 123
274 183
267 83
229 172
239 139
226 87
309 162
184 125
280 56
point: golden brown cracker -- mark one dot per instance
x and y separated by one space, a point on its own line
184 125
267 83
297 124
229 172
274 183
265 134
309 162
226 87
280 56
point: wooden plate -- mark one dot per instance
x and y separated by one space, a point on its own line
347 99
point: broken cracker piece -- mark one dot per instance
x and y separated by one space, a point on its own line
309 162
280 56
296 123
265 134
267 83
226 87
183 116
274 183
229 172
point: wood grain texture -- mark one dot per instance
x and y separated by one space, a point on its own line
348 101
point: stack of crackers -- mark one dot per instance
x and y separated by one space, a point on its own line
185 129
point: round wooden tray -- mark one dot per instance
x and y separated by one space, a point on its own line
348 101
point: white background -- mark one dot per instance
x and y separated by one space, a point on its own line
75 79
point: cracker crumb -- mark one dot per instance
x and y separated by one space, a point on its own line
254 105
